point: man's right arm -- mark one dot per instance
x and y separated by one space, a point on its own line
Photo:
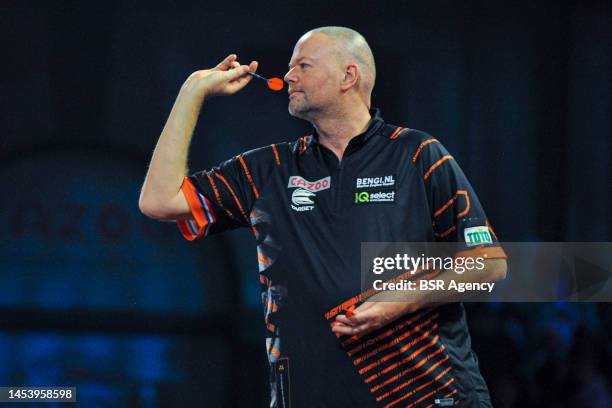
161 196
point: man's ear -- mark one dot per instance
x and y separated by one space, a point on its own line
351 76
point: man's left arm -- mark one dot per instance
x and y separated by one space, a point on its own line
382 309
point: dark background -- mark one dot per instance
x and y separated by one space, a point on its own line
94 294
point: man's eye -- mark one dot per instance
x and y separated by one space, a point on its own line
303 65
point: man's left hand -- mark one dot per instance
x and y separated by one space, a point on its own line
370 316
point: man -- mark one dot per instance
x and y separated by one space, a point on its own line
304 201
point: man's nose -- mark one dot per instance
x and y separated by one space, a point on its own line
290 76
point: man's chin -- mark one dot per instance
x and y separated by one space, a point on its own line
298 113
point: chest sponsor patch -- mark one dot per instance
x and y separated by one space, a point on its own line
373 197
373 182
302 198
477 236
297 181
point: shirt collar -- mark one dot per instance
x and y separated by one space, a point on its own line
375 125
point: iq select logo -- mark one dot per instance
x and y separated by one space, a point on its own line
302 198
367 197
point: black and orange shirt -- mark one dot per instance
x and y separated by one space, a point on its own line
310 213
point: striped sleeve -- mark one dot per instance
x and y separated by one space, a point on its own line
203 216
456 212
221 198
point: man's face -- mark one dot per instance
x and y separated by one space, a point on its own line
314 76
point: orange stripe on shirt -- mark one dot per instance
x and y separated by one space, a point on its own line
445 233
214 187
218 197
261 258
190 192
396 353
450 394
220 177
491 230
452 200
403 349
413 379
273 351
248 175
272 306
408 370
436 164
449 382
395 341
187 232
421 146
411 393
276 156
395 134
408 359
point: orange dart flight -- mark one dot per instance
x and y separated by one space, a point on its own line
275 84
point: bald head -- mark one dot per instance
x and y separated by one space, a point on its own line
353 48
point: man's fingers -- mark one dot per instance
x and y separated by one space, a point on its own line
347 330
229 76
226 63
349 321
344 320
360 323
339 327
234 80
351 330
237 72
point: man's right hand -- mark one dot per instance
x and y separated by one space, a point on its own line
227 78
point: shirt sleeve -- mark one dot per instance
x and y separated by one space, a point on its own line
456 213
222 198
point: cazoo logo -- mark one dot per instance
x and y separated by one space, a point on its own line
302 198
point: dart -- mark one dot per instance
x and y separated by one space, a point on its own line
275 84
